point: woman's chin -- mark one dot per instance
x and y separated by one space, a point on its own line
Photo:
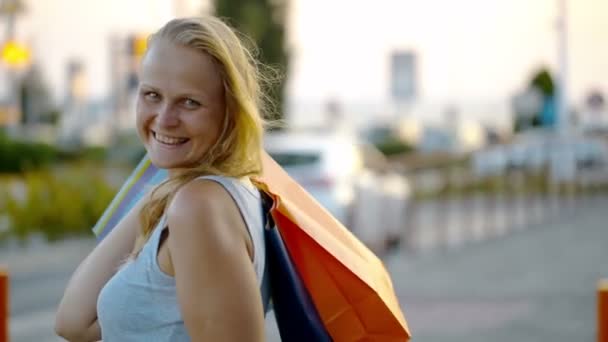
163 163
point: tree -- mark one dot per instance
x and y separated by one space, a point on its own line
543 81
264 22
35 99
541 88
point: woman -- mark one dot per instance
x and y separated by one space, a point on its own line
187 262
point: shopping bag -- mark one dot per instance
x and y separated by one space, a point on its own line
349 286
295 314
144 177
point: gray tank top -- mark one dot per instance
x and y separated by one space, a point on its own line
139 303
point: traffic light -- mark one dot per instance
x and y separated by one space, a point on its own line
15 55
137 45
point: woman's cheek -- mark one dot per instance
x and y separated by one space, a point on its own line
140 123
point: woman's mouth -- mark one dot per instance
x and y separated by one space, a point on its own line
167 140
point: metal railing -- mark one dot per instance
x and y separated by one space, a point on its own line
443 200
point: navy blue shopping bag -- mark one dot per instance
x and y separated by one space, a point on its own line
296 315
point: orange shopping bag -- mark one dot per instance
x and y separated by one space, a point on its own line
349 285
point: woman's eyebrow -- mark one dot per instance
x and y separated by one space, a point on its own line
199 94
193 94
188 93
144 85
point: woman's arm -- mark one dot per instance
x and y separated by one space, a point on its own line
76 318
217 288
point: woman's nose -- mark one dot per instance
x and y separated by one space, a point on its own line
167 116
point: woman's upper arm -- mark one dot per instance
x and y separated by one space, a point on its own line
77 311
217 288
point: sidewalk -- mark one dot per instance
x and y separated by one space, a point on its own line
537 284
38 275
38 255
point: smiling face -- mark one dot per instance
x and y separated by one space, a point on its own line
180 105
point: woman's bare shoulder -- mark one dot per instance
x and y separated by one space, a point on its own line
199 197
204 206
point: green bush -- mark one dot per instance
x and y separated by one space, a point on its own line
59 205
392 146
16 156
21 156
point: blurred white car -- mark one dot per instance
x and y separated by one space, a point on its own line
326 165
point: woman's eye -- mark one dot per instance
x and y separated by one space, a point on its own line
190 103
152 96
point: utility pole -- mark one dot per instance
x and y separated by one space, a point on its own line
9 9
14 56
563 115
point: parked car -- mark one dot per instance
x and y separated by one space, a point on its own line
327 165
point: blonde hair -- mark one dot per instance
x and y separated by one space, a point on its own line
237 152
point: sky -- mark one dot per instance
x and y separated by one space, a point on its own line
478 52
467 48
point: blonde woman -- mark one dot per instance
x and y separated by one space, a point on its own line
187 263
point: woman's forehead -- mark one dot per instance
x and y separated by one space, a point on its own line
168 64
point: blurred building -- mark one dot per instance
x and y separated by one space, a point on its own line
593 117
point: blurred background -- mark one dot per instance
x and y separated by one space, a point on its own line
465 142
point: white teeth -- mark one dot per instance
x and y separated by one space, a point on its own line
169 140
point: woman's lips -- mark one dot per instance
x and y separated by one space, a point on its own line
168 140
